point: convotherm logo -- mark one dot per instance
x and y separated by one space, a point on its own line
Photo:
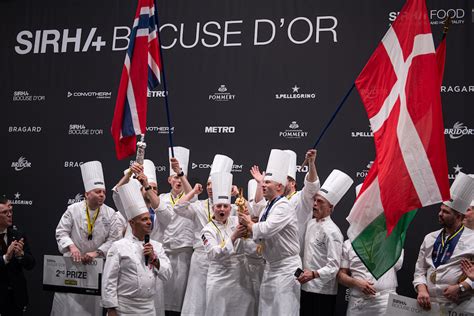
222 94
295 94
26 96
458 130
90 94
21 164
235 167
18 201
159 129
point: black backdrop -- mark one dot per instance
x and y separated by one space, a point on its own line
243 77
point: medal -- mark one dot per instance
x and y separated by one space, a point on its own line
259 249
433 277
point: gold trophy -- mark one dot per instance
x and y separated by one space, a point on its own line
241 203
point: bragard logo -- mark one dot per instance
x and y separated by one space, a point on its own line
78 198
27 96
93 94
294 132
219 129
295 94
72 164
222 94
159 129
458 131
24 129
81 129
457 89
21 164
18 201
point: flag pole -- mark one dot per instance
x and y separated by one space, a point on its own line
168 115
330 121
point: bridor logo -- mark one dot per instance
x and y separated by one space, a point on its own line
459 130
293 132
21 164
222 94
18 201
295 94
78 198
90 94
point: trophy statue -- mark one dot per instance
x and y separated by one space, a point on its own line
141 145
241 202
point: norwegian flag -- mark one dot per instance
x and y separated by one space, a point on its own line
142 67
400 90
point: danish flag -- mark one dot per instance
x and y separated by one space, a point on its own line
142 67
400 90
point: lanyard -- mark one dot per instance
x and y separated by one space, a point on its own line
444 247
289 196
173 201
269 206
209 218
90 225
222 244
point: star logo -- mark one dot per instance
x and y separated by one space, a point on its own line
457 169
17 195
295 89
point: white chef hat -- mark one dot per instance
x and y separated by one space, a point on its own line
132 200
149 170
357 188
335 186
277 166
132 179
221 163
462 193
251 189
92 176
221 187
292 165
182 154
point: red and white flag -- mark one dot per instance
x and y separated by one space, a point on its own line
400 90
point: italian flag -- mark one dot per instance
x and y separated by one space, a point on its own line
400 89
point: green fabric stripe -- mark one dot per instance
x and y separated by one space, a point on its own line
378 252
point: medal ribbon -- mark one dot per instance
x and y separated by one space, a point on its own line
444 247
209 217
173 201
289 196
90 225
222 244
152 216
268 208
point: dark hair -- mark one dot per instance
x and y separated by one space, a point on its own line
3 199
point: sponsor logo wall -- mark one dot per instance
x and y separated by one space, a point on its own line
241 79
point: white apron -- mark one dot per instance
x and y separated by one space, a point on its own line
228 289
142 307
280 291
71 304
195 297
176 285
368 305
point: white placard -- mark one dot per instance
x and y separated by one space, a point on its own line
405 306
61 274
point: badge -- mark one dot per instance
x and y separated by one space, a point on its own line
433 277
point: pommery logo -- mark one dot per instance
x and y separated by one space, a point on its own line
295 94
21 164
222 94
294 131
365 172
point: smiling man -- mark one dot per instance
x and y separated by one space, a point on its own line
438 273
86 231
133 263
